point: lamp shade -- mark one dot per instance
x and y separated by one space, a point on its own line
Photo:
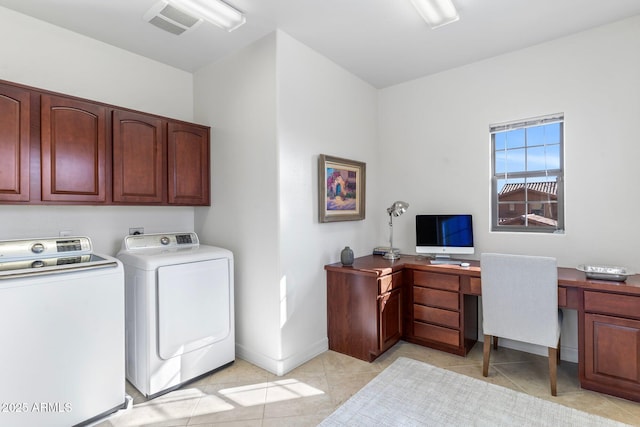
398 208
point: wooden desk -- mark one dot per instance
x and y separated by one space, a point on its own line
374 303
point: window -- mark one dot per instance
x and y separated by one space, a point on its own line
527 175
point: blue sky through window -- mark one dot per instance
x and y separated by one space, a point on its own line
528 149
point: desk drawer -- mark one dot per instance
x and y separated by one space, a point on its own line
615 304
436 315
436 333
449 282
390 282
475 286
436 298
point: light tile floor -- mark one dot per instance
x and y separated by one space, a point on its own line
245 395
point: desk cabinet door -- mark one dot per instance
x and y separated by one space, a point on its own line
612 351
390 319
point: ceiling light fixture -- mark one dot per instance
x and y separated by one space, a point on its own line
215 11
436 12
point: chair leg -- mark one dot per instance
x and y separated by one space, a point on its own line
553 370
486 353
559 339
495 342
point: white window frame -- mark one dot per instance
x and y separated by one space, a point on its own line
527 175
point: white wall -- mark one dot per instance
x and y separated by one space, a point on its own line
41 55
274 107
434 132
237 97
322 109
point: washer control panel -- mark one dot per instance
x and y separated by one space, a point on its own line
160 240
44 248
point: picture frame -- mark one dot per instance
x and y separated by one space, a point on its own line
341 189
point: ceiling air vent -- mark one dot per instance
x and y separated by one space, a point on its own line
171 19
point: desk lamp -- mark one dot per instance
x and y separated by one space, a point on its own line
396 209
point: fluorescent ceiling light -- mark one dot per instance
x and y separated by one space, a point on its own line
436 12
215 11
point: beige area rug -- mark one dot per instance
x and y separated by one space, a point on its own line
413 393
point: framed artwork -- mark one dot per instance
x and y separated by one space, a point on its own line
341 189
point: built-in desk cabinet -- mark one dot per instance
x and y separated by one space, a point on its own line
375 302
611 324
440 315
363 312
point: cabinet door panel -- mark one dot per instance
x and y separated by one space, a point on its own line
138 158
15 111
390 319
188 160
74 150
612 351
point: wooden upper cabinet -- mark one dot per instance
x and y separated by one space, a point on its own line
73 150
15 122
139 166
188 163
59 149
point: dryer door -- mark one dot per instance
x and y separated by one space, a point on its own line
193 306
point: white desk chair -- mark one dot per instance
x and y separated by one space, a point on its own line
520 302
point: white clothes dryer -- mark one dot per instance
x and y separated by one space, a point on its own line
179 310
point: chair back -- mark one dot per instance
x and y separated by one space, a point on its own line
520 298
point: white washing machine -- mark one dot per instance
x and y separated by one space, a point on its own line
179 313
62 316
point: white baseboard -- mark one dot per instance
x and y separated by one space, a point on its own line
282 366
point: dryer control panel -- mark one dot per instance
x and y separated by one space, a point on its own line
160 240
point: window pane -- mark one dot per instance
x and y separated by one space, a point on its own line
515 138
515 160
553 156
500 141
552 133
536 160
500 160
535 136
